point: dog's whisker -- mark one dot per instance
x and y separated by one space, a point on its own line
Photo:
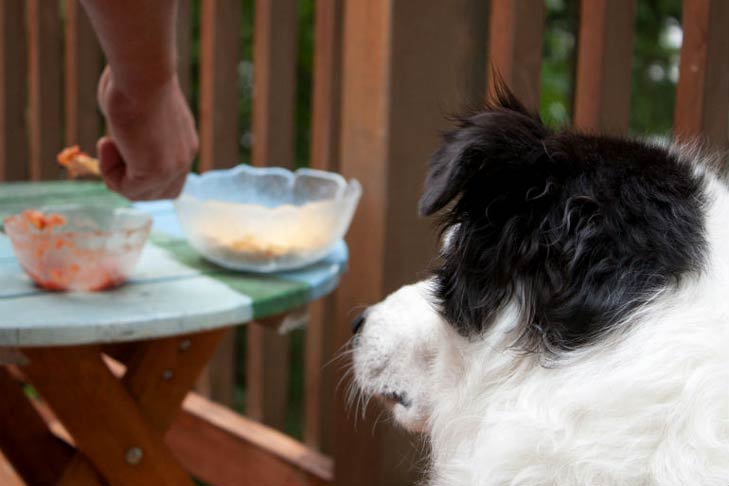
377 420
345 351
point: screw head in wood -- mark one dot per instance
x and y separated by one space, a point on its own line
134 456
167 375
185 344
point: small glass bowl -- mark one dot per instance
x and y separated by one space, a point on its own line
76 247
266 219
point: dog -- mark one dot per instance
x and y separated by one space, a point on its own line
575 328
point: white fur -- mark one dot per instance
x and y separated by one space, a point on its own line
646 405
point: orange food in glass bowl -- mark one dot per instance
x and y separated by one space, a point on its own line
78 247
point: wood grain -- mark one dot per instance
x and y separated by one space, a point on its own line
226 449
219 53
219 144
273 124
604 62
13 92
217 379
399 80
319 374
515 47
274 83
162 372
326 89
702 95
83 62
184 46
324 155
267 375
101 416
45 87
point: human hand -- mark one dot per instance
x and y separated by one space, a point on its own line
151 139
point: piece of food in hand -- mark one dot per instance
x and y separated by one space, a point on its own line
78 164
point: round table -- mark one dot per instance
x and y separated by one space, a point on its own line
172 313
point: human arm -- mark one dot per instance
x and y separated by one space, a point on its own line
151 137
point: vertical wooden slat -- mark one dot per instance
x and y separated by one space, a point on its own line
274 91
326 89
274 104
515 46
13 92
364 154
391 120
267 366
702 96
83 66
218 120
184 45
602 97
218 126
217 381
319 374
326 105
45 87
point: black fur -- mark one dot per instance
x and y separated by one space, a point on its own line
581 229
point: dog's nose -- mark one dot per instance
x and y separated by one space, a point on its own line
358 322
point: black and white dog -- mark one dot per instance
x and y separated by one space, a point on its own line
576 331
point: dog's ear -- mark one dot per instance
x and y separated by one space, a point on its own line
504 132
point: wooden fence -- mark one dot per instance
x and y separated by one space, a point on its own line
384 73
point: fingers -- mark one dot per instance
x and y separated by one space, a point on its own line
169 190
151 142
140 188
103 88
111 163
175 187
116 175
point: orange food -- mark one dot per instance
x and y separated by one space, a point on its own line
78 163
43 221
58 280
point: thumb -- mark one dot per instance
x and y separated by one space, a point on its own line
111 163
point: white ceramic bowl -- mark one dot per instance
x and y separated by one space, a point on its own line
266 219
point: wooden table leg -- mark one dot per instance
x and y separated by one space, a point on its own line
8 475
118 424
163 371
108 427
35 453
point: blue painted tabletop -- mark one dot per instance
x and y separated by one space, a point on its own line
172 291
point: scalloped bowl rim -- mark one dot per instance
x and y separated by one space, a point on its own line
348 194
194 179
144 223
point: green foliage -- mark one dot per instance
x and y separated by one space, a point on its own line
304 64
305 40
654 64
304 69
559 61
